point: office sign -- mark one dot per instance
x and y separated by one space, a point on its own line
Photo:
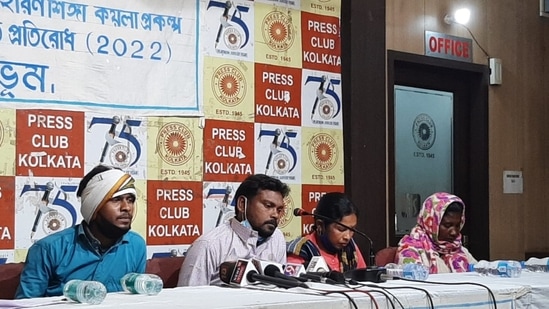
445 46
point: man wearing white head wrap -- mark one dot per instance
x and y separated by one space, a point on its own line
101 188
101 248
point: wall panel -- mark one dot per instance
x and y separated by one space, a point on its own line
513 31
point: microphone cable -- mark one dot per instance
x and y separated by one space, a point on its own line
429 298
274 288
340 279
492 296
349 283
351 300
344 292
328 292
490 292
385 293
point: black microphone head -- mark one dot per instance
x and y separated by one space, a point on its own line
298 212
337 276
271 270
237 272
367 274
251 276
226 270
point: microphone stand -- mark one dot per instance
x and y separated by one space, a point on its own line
372 255
371 273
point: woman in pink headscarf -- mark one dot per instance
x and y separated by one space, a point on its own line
435 241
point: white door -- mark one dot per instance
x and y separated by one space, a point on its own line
423 150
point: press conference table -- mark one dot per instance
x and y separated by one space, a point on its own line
531 290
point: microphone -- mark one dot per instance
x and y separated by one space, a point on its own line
236 273
274 271
223 209
376 275
384 277
274 145
243 273
336 276
109 136
223 21
319 94
319 268
330 277
317 264
42 208
228 191
298 271
294 270
298 212
261 265
318 277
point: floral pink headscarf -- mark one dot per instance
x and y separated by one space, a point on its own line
424 236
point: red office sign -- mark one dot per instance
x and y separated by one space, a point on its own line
441 45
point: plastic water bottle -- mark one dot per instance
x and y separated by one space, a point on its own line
87 292
415 271
394 270
481 267
411 271
135 283
507 269
537 265
498 268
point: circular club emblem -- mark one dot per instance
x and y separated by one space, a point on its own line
277 30
326 109
323 152
175 143
281 164
424 131
53 222
286 217
120 156
232 38
229 85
